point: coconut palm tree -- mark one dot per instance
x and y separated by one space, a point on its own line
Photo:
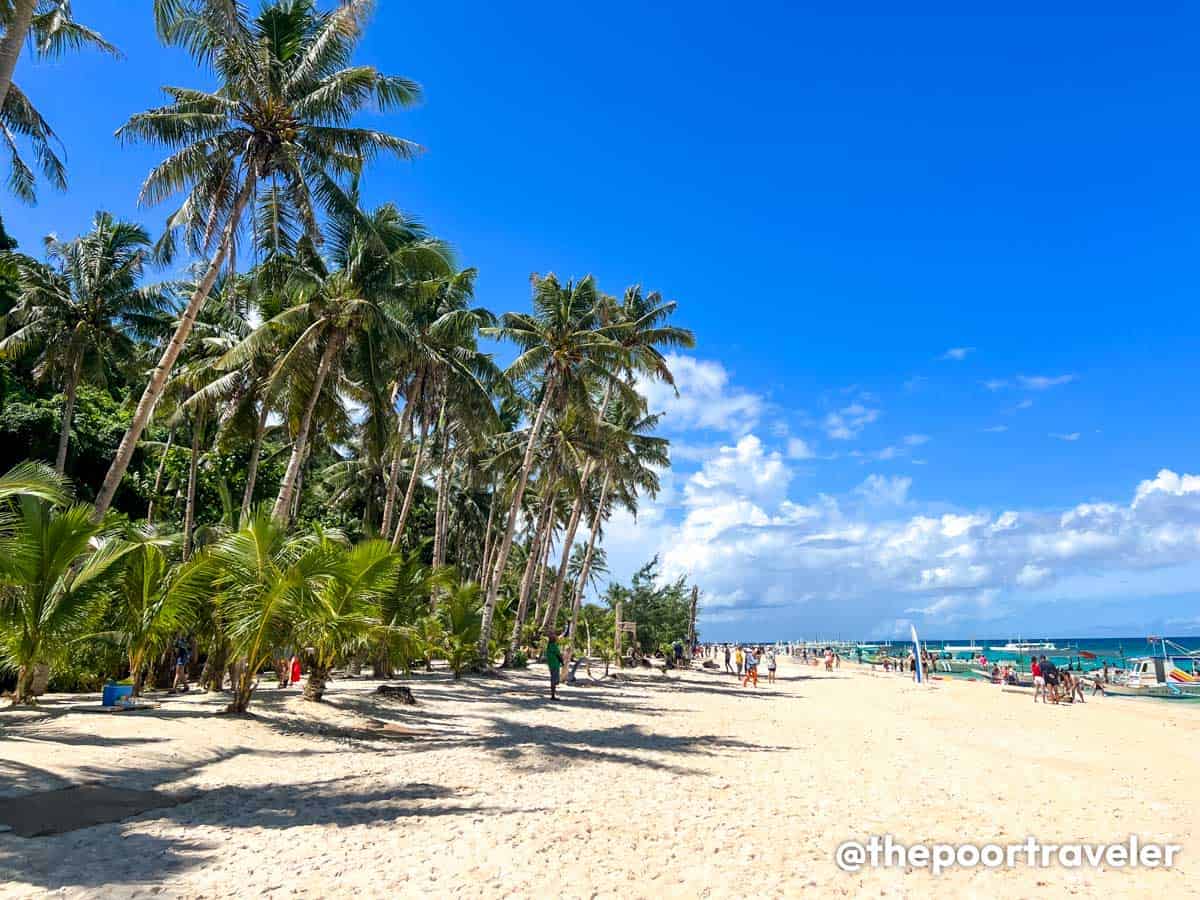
278 119
629 467
564 347
84 309
264 581
154 600
330 313
439 329
345 613
56 570
50 30
460 613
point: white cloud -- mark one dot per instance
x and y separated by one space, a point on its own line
1069 436
1033 576
883 491
799 449
846 423
1042 382
706 398
1167 483
957 353
875 554
1028 383
916 440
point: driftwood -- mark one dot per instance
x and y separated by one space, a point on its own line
399 692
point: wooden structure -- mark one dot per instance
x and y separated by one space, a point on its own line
622 627
692 621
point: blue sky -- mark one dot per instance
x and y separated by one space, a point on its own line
836 201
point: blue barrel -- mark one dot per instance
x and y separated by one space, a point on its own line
114 692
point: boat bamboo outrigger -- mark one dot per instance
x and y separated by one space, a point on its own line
1171 674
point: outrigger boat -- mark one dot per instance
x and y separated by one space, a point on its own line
1170 676
1024 646
955 666
973 648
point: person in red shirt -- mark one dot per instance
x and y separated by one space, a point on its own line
1039 683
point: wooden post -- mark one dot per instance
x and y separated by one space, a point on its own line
617 636
692 621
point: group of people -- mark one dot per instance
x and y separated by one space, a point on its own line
1055 685
743 662
831 658
907 663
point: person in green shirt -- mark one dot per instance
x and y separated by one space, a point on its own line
554 661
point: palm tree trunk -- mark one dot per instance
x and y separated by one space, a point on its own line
531 561
294 509
25 685
543 561
586 569
189 516
283 503
389 505
252 465
158 378
439 530
487 533
493 593
14 39
413 478
137 671
314 688
68 416
567 545
162 465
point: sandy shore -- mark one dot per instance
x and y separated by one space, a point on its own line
655 786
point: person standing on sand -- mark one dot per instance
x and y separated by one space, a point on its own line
1039 683
739 658
728 664
771 666
751 668
554 662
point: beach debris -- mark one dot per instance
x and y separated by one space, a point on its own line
401 692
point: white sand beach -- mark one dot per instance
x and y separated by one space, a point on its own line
656 785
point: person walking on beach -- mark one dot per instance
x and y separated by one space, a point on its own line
728 664
183 655
771 666
554 662
1039 682
751 668
740 659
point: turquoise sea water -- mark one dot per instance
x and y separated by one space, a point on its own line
1111 650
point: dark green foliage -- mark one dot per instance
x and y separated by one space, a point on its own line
29 422
88 664
662 611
